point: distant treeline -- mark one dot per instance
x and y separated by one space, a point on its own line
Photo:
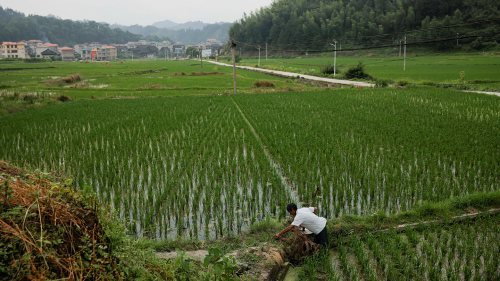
15 26
288 23
217 31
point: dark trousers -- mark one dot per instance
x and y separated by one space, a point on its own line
322 238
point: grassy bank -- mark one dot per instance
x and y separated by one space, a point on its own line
443 70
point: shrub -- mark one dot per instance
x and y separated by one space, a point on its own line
263 84
402 82
462 77
381 83
30 99
357 72
327 69
64 98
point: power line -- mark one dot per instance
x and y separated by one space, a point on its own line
407 32
379 46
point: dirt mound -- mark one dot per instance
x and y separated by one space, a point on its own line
208 73
69 79
49 231
263 84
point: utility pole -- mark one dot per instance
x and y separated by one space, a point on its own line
334 58
233 44
266 50
165 54
395 50
259 56
457 39
404 65
201 60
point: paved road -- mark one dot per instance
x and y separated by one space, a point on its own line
483 92
308 77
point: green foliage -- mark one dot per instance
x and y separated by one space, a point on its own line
381 83
224 267
421 251
462 77
291 22
327 69
357 72
402 82
267 225
192 51
16 26
36 60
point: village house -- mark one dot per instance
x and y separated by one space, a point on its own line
109 53
144 51
67 54
84 51
40 48
104 53
13 50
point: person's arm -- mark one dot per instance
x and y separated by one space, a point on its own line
315 209
284 231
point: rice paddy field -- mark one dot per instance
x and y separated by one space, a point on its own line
128 79
203 166
481 70
458 251
181 162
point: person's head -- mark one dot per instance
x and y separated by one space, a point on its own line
292 209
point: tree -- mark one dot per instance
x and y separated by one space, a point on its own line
192 51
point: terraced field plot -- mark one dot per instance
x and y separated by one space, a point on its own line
458 251
130 79
445 69
194 167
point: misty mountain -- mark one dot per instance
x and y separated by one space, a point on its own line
176 26
164 24
186 33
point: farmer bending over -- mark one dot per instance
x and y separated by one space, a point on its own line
305 217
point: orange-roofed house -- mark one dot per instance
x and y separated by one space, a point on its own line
13 50
67 54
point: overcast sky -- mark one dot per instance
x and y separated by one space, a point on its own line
129 12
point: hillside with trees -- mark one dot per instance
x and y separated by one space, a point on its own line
15 26
290 23
217 31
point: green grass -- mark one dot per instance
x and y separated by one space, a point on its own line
439 69
131 78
